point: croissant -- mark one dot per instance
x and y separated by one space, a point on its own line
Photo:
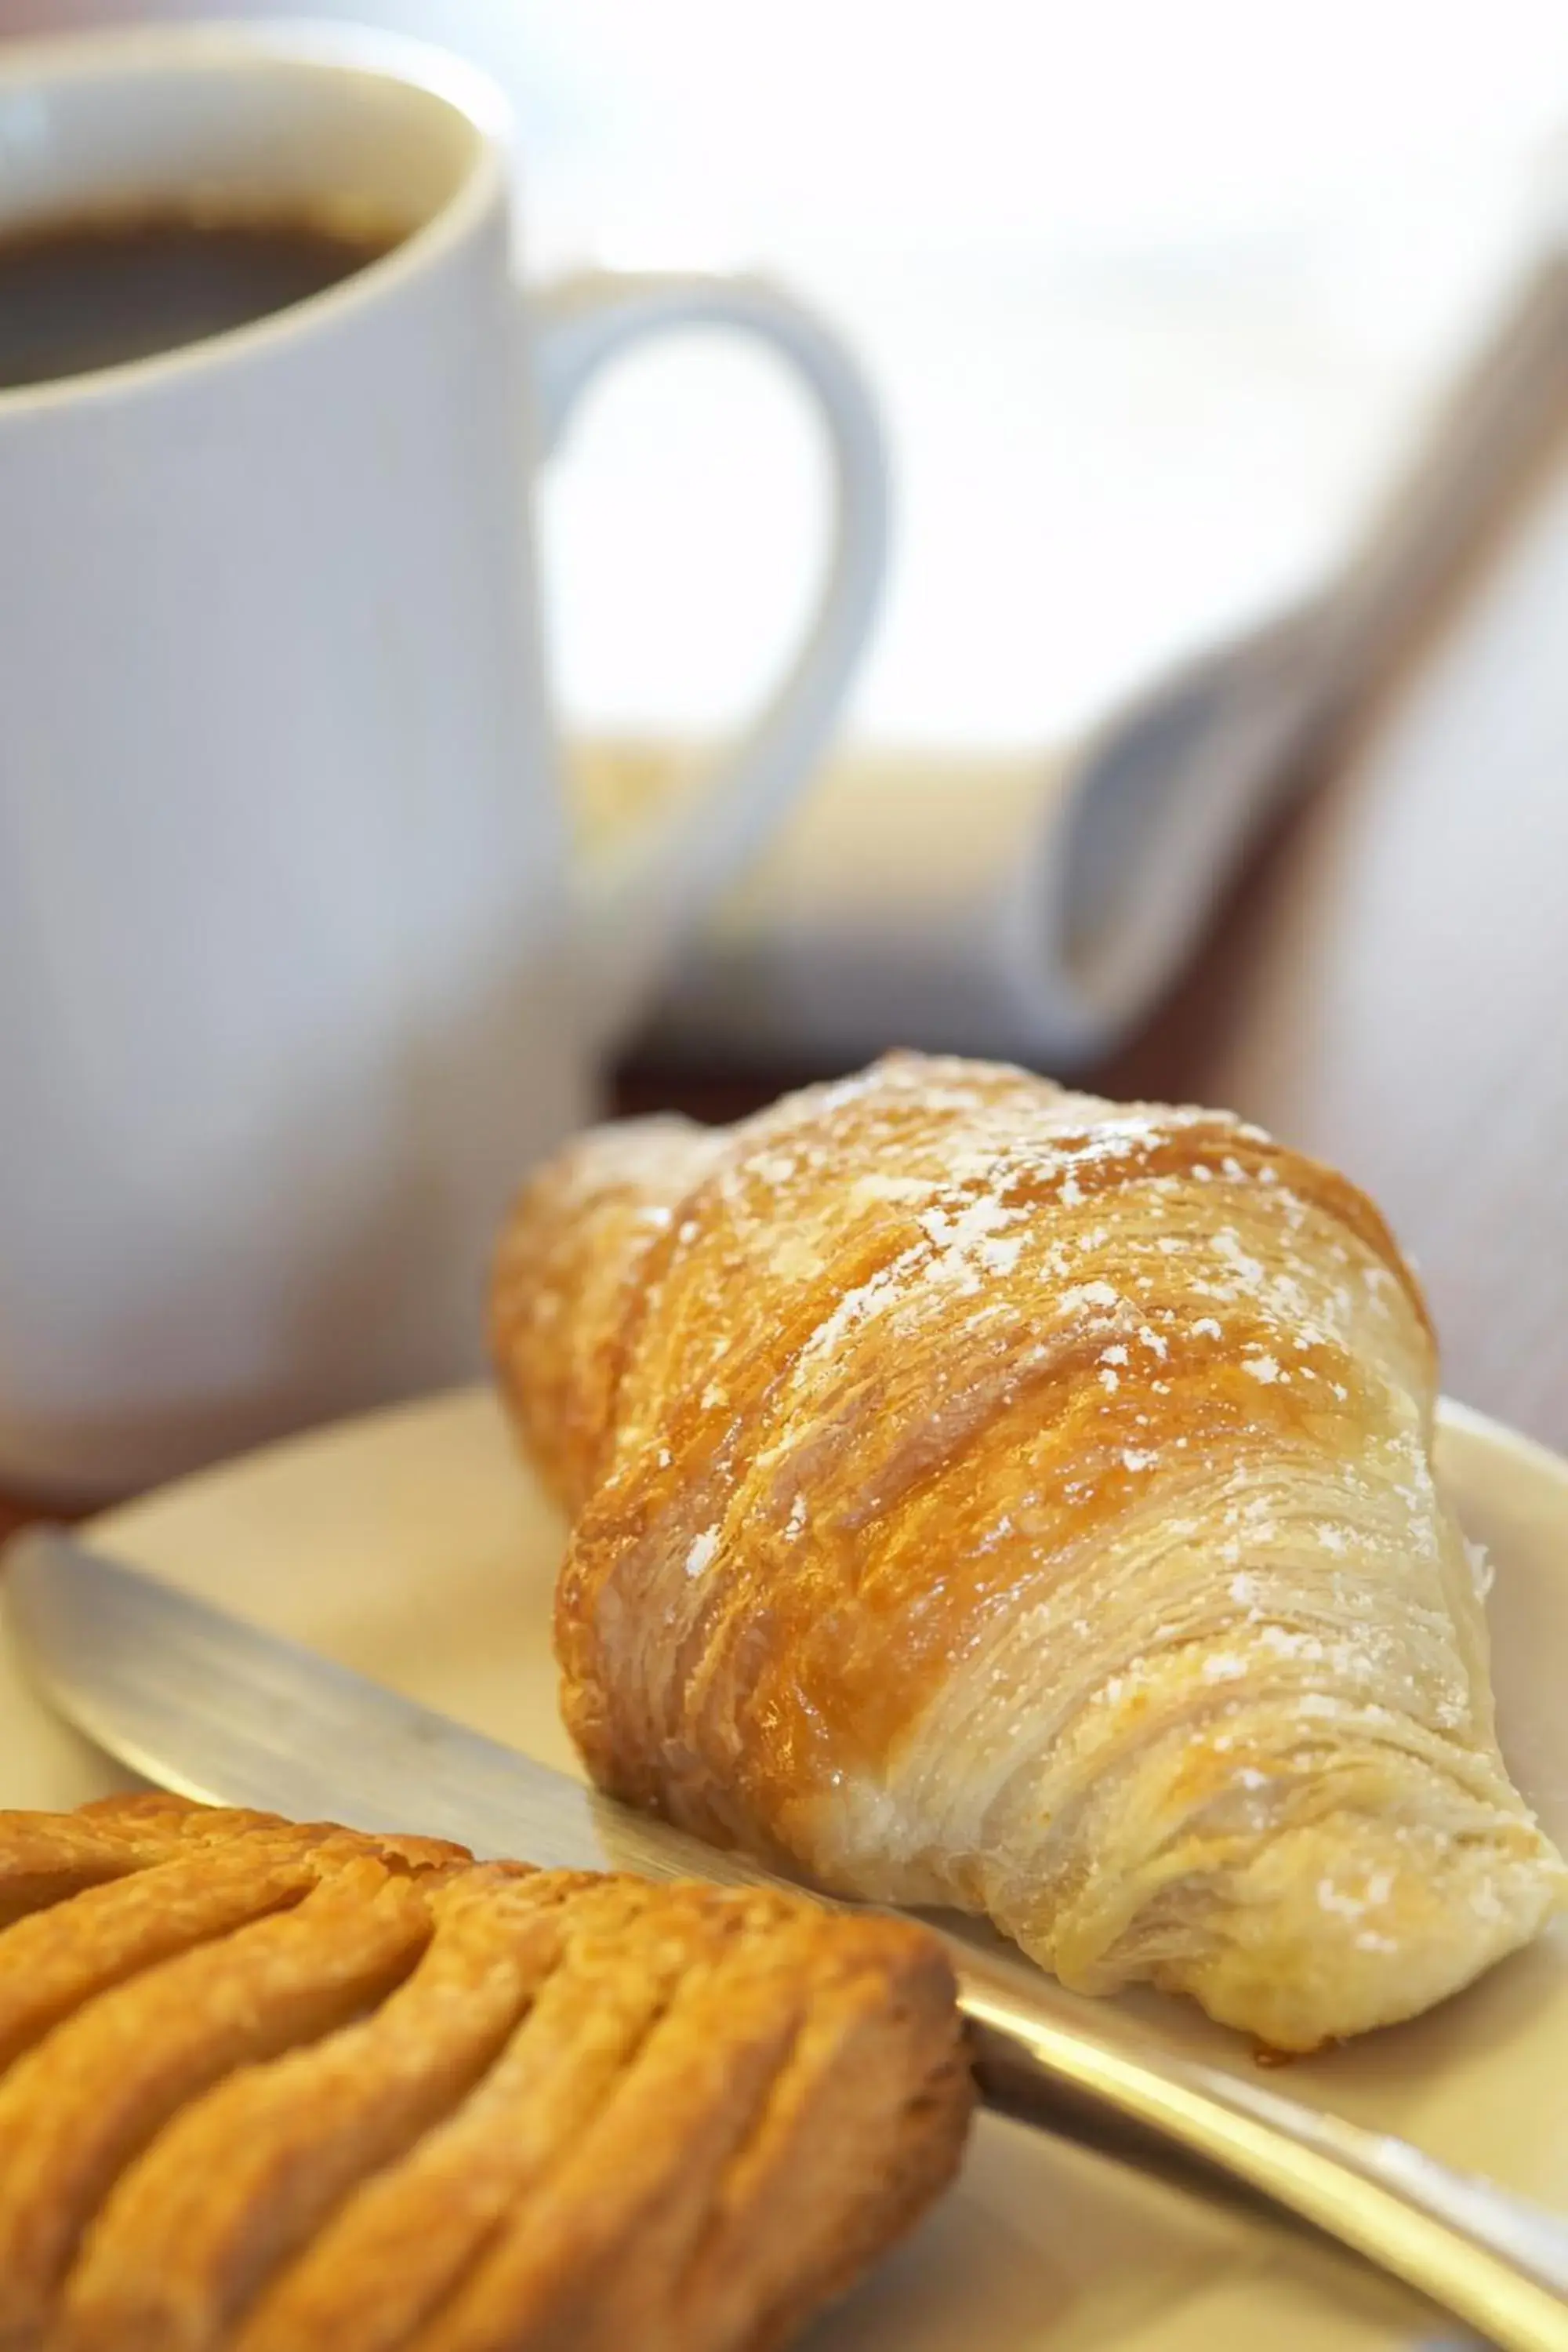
992 1496
266 2088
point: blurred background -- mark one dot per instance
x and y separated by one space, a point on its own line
1153 299
1164 305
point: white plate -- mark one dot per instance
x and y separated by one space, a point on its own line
413 1545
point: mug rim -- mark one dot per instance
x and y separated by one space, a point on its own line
355 50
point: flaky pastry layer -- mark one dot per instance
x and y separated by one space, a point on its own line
992 1496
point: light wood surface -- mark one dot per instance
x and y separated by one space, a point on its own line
1390 986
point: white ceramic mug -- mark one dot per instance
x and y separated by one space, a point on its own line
295 976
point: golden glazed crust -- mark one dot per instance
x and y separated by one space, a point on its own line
265 2086
993 1495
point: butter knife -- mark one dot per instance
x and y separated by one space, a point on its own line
203 1704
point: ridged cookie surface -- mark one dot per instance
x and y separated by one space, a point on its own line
267 2087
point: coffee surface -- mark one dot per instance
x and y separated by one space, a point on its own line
89 292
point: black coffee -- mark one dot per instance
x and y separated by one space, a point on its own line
90 292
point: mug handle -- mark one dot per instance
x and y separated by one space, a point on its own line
637 900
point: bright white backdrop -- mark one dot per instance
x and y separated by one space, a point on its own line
1155 296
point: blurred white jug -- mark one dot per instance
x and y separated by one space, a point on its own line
296 977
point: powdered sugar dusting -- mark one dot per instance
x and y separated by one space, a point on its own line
1087 1293
703 1550
1483 1575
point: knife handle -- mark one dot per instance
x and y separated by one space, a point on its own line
1480 2253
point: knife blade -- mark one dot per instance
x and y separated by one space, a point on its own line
205 1705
